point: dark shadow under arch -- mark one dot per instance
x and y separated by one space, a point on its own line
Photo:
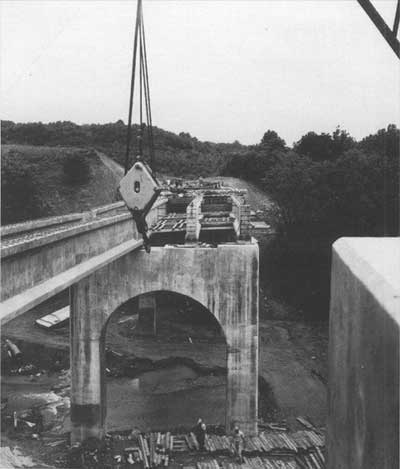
170 380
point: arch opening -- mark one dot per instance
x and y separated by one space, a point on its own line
165 364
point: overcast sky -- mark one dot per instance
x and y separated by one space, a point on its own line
221 70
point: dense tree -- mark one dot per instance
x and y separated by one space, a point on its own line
253 163
272 141
385 146
320 201
320 147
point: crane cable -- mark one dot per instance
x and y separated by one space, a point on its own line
148 105
144 92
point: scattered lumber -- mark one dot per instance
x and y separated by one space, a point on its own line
306 423
212 464
302 449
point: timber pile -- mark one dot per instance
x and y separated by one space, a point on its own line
213 464
180 444
307 461
275 463
277 443
269 450
192 442
314 459
155 448
218 444
303 449
306 439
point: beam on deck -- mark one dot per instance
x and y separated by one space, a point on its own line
19 304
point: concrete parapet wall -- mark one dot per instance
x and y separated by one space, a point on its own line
363 423
31 225
36 260
241 211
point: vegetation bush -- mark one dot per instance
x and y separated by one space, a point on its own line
355 193
19 200
76 168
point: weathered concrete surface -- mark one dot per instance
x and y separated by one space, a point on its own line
223 279
363 423
31 263
19 304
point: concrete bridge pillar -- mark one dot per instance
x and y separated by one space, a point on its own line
87 361
223 279
242 381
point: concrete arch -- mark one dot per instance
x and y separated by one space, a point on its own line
223 279
154 293
150 291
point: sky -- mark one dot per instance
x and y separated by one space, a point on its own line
222 70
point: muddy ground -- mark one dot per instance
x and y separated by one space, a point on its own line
165 381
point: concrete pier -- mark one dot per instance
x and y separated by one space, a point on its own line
223 279
87 359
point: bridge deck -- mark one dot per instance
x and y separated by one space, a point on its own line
37 232
31 297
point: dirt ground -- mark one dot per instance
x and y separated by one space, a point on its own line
292 366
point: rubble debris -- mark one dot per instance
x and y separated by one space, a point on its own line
12 350
55 443
12 458
28 369
75 456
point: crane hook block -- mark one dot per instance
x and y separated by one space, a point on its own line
139 188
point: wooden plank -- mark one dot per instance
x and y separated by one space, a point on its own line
19 304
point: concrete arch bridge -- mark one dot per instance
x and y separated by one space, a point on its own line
98 256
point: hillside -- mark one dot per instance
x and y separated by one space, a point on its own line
178 154
40 181
35 183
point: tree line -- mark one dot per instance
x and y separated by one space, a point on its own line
177 155
325 186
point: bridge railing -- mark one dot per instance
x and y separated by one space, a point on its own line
31 225
35 252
